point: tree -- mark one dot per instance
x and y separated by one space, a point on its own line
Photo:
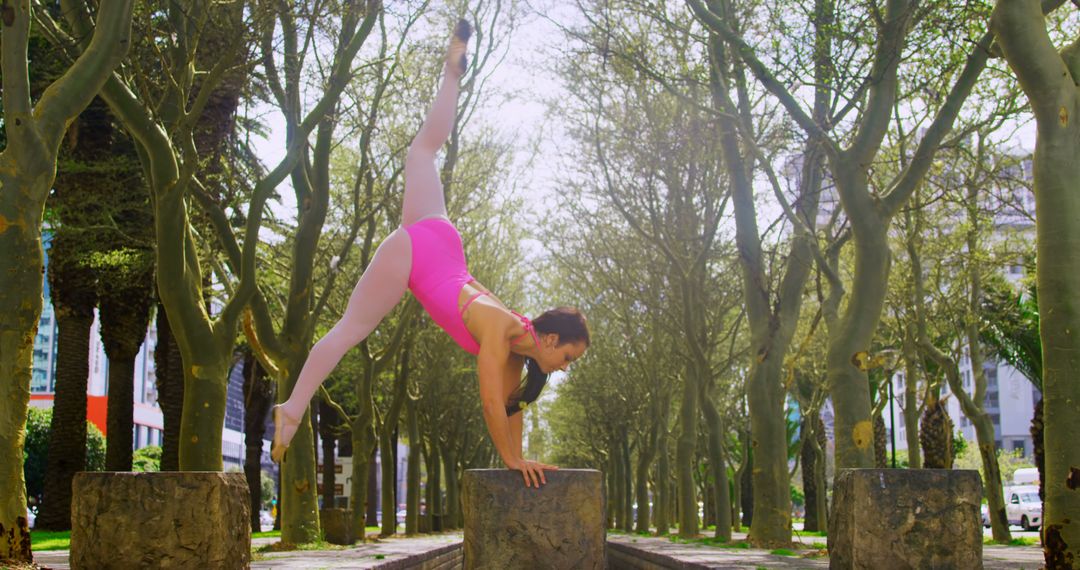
850 158
33 132
164 121
1049 78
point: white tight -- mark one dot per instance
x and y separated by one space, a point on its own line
386 278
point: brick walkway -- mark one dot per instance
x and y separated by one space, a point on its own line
386 551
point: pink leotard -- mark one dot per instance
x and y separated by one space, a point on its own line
437 276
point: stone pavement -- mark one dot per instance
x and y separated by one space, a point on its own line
994 557
385 551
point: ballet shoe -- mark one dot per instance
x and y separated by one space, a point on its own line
284 429
455 55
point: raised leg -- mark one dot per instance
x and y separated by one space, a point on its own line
376 293
423 189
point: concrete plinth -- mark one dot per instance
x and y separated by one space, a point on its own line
906 518
160 520
509 525
337 526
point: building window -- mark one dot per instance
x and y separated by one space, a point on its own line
1018 445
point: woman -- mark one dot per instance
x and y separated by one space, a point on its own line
425 256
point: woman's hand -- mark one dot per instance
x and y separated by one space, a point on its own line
533 471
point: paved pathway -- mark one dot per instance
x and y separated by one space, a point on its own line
994 557
374 554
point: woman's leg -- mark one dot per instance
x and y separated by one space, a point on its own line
380 288
423 190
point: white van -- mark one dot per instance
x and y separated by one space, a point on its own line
1023 507
1026 476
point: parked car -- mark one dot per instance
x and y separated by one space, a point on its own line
1023 506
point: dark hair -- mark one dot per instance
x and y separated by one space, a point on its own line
570 325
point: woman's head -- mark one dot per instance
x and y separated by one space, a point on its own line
564 337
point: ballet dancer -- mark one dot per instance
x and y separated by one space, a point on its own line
425 256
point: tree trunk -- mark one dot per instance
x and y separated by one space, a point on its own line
1049 77
169 374
434 489
452 484
257 399
663 477
911 408
328 422
125 315
412 477
628 489
646 455
387 443
1037 446
813 473
984 434
19 309
684 458
27 171
881 445
722 508
73 296
848 384
21 304
770 492
613 505
373 489
748 490
935 436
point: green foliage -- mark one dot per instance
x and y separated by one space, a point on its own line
1008 461
147 459
36 450
797 497
1009 324
959 445
268 491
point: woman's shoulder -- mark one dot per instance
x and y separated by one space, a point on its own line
490 317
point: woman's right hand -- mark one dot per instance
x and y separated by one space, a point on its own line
532 471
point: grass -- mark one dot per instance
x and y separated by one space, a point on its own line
290 547
41 540
820 533
267 534
709 541
1018 541
782 552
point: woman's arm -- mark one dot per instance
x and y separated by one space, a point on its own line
494 351
516 431
492 364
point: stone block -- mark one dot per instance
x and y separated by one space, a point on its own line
888 519
160 520
509 525
337 526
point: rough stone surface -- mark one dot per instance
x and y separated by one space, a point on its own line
337 526
160 520
906 518
509 525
